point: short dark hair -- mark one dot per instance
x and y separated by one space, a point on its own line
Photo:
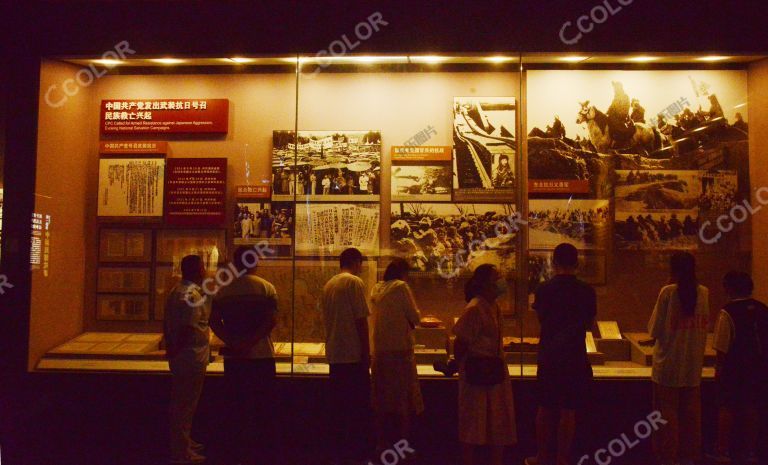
190 266
350 257
566 256
738 283
479 280
239 258
396 269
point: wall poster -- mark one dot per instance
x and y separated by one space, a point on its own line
196 191
421 182
125 245
131 187
484 147
122 307
267 222
122 280
339 166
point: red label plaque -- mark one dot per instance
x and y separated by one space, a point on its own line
263 191
161 116
195 191
558 186
133 147
428 153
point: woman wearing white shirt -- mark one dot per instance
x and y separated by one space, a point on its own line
395 384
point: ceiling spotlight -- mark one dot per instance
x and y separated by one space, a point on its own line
240 60
643 59
573 58
168 61
431 59
712 58
108 62
498 59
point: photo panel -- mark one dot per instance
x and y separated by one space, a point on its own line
122 280
421 183
271 223
131 187
450 238
338 166
720 191
324 229
125 245
122 307
592 268
658 190
656 231
174 244
485 148
582 222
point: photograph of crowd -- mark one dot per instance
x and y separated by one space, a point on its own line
641 231
421 183
326 164
484 146
583 223
658 190
448 237
262 220
720 191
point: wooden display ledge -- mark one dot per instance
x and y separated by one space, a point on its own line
643 354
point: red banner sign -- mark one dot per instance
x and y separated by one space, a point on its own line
133 147
263 191
195 191
161 116
558 186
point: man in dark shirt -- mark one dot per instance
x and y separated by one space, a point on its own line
741 342
566 308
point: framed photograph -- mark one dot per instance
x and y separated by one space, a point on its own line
421 183
174 244
125 245
123 280
122 307
657 230
328 229
263 221
450 238
131 187
719 191
660 190
338 166
484 148
583 223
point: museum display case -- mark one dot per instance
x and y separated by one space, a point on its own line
448 161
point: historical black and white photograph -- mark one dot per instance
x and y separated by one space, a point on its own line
326 165
656 231
583 223
658 190
450 237
421 183
719 191
584 122
263 220
328 229
592 268
131 187
484 148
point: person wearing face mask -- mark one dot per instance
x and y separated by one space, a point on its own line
486 404
566 308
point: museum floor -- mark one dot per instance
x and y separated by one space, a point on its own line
120 419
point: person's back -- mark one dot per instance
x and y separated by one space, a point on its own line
747 356
394 316
678 354
566 307
342 302
244 305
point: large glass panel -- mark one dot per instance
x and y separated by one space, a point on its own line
148 161
414 157
631 166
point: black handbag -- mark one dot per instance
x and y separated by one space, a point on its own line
484 370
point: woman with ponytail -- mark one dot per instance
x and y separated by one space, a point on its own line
679 326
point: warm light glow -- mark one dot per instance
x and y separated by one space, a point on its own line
572 59
643 59
712 58
108 62
431 59
240 60
168 61
353 59
498 59
740 105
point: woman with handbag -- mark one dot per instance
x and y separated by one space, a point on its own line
486 404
